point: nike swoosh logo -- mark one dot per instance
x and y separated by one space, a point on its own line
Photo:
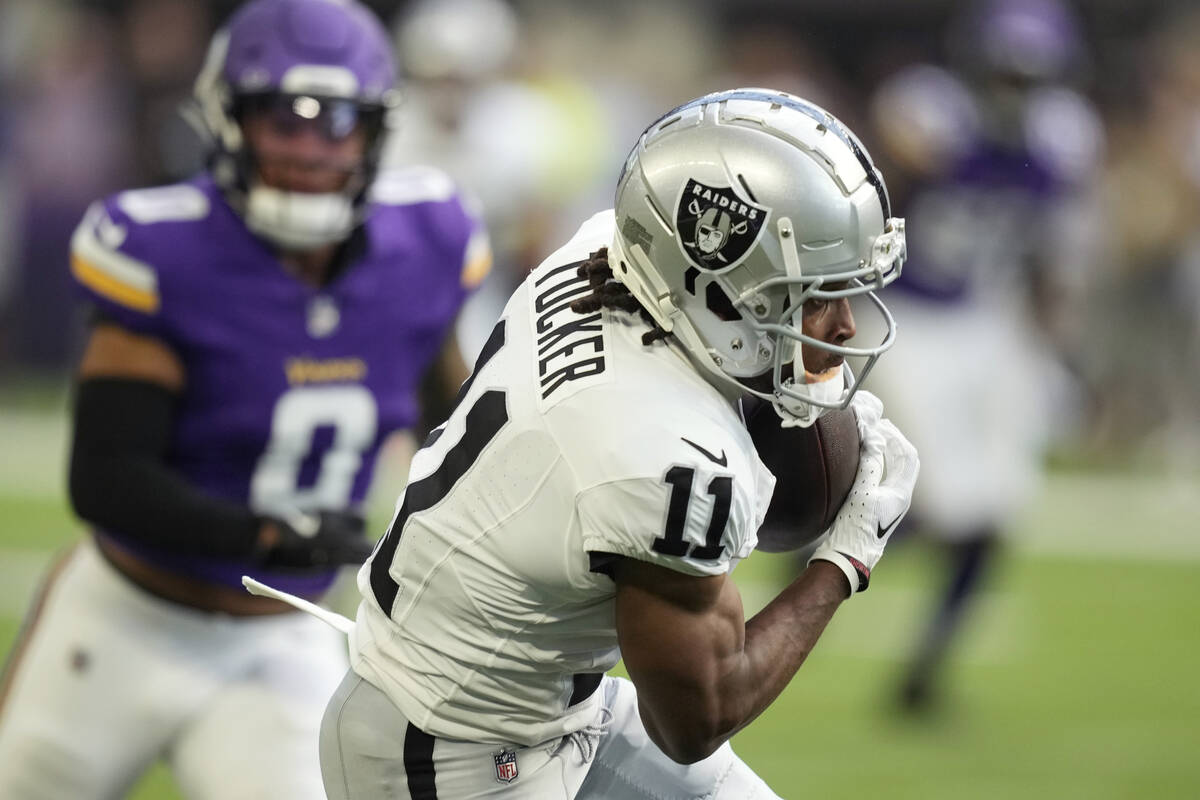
885 529
723 461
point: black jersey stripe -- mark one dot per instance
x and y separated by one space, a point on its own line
582 686
493 344
430 490
418 764
484 420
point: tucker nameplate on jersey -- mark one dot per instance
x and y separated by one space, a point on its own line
570 347
717 228
506 766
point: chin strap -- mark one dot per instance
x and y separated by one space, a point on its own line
826 389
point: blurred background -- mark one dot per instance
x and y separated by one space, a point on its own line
1036 628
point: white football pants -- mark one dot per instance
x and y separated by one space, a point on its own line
105 679
369 751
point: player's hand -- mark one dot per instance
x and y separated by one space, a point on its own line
878 499
313 540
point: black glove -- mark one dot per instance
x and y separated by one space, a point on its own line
314 540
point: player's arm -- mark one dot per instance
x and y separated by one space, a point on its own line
701 672
125 407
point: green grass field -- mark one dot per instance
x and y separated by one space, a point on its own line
1076 679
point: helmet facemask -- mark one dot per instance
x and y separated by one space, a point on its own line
801 398
300 220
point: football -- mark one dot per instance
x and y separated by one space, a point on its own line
814 468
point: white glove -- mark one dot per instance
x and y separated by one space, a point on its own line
878 499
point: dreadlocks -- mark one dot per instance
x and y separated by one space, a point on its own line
610 293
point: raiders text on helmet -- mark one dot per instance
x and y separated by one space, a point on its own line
736 208
324 60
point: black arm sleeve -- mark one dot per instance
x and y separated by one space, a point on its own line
119 479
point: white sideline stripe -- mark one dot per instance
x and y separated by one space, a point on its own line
1143 517
35 452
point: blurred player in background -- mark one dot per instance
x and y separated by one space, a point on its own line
993 165
258 332
464 113
595 484
480 104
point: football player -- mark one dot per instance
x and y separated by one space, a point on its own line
259 331
595 485
996 158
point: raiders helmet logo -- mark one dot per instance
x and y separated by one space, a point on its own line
717 228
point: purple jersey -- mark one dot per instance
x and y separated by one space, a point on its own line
979 224
290 389
988 220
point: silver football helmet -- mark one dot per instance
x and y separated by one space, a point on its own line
731 212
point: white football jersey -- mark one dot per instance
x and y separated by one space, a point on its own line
486 613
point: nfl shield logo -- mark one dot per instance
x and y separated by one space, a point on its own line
506 766
323 316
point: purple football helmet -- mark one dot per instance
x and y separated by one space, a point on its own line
327 63
1034 39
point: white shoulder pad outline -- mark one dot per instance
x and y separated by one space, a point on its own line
411 185
178 203
98 264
